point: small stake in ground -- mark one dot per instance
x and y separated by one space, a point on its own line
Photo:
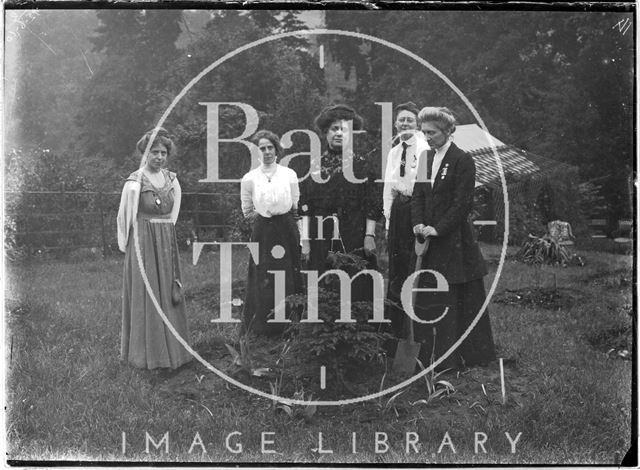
504 398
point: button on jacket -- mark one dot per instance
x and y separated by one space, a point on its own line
447 206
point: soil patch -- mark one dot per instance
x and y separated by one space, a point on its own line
542 297
452 397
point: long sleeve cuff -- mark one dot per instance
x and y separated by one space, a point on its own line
303 227
371 227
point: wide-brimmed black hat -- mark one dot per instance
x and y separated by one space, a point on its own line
336 112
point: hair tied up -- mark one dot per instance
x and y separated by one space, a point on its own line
162 137
162 132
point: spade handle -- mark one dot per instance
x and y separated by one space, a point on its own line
421 246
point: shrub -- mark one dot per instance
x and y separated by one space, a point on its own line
535 201
239 226
344 342
543 250
185 233
42 210
347 346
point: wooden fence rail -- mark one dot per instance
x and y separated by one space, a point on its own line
67 220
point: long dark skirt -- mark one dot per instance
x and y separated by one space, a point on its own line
478 347
362 286
400 246
464 302
259 300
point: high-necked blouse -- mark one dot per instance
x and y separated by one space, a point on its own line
352 203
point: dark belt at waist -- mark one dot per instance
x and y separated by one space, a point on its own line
402 199
276 218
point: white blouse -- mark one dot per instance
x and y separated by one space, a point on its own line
393 182
438 157
269 196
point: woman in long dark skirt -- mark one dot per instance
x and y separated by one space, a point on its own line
269 196
441 203
399 178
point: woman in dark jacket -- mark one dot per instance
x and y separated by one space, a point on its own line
441 203
353 207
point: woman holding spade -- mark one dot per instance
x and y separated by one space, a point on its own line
441 203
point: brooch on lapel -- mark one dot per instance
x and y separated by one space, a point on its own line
444 171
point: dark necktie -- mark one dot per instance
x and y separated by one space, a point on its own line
403 158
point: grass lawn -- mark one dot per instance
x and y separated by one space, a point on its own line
562 333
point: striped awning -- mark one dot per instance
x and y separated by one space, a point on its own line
480 145
512 161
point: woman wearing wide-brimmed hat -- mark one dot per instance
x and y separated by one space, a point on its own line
355 206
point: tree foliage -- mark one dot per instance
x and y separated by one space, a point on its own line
556 83
48 64
559 84
119 103
278 79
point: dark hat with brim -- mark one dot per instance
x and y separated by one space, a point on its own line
336 112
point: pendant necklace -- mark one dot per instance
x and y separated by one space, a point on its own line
156 198
269 175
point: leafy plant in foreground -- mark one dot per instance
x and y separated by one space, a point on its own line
435 388
543 250
344 345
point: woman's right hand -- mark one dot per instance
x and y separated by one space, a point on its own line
306 250
251 216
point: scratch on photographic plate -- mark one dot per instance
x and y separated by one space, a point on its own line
40 39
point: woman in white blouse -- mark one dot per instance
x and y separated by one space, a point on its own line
269 196
399 178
